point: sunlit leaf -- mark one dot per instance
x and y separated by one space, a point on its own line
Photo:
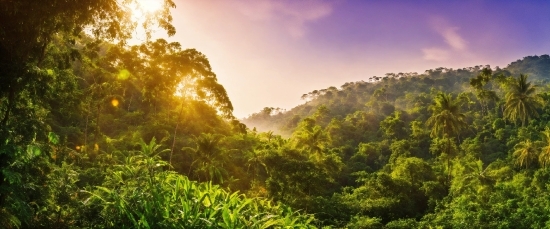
53 138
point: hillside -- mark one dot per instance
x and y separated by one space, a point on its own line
449 148
382 95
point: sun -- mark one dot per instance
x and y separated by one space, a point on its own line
150 5
140 8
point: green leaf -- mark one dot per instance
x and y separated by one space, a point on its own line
53 138
33 151
226 217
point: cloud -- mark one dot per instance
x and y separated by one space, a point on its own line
294 15
453 38
456 44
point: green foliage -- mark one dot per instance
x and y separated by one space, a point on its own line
209 158
477 161
447 119
521 101
407 150
141 194
525 153
366 223
544 156
394 126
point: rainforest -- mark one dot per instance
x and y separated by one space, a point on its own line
100 132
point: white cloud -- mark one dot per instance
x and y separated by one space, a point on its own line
456 44
453 38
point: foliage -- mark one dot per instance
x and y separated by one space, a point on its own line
521 101
141 194
447 120
438 149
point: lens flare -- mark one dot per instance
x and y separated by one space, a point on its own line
114 102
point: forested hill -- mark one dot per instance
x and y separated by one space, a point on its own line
449 148
380 96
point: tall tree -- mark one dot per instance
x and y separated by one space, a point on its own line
447 121
521 101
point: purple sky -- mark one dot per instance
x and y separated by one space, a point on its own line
267 53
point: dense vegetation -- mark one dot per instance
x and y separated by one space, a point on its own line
450 148
96 133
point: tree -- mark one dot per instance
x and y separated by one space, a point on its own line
256 160
521 101
482 94
29 29
38 44
544 157
311 138
163 69
393 126
209 158
525 153
447 119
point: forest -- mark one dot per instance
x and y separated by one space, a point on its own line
96 132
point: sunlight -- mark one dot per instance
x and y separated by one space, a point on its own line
150 5
141 11
143 7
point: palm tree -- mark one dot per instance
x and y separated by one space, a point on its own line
208 157
525 153
446 119
544 157
312 140
521 101
256 159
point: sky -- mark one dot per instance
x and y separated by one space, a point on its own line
268 53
